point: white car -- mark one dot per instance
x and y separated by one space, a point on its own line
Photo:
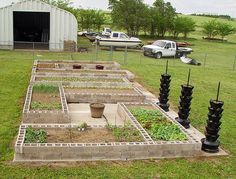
165 48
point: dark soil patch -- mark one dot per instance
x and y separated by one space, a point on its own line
75 136
91 135
46 97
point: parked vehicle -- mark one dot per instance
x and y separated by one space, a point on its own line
106 31
165 48
82 33
118 39
91 36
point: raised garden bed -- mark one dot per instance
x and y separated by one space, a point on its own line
157 125
68 64
45 65
89 135
82 73
103 142
45 97
53 130
104 95
79 79
45 103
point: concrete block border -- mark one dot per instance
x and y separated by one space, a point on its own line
105 97
149 149
45 116
67 64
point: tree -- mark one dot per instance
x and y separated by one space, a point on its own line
86 18
63 4
99 19
183 25
128 14
210 28
225 29
162 15
89 18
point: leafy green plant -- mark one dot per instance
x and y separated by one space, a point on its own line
125 134
83 126
158 127
45 88
167 132
146 116
35 135
45 106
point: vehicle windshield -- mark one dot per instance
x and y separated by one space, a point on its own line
159 43
108 30
124 36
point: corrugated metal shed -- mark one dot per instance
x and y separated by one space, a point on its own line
63 25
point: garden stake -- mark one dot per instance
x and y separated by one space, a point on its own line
164 89
185 103
211 143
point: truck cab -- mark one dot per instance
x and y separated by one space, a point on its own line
165 48
106 31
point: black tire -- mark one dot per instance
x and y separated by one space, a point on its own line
158 55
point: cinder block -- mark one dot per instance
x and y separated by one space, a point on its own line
114 155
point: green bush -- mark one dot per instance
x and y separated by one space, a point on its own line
213 28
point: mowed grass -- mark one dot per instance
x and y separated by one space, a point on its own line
15 72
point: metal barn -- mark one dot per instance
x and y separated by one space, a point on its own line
33 24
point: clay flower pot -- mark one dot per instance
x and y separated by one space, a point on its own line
77 66
97 110
99 67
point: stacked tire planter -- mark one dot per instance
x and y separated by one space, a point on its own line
211 143
164 91
184 105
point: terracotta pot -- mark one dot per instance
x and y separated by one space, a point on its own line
77 66
99 67
97 110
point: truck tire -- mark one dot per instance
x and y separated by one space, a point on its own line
158 55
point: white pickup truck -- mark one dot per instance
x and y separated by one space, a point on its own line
165 48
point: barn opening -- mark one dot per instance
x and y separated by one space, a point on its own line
31 30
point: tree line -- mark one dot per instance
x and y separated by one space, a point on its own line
220 16
134 16
156 20
213 28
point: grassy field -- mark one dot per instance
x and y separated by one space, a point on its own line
15 69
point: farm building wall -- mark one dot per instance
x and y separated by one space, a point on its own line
63 25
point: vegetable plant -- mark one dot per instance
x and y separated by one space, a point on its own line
125 134
35 135
83 126
158 127
45 106
45 88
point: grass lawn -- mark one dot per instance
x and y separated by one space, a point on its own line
15 71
